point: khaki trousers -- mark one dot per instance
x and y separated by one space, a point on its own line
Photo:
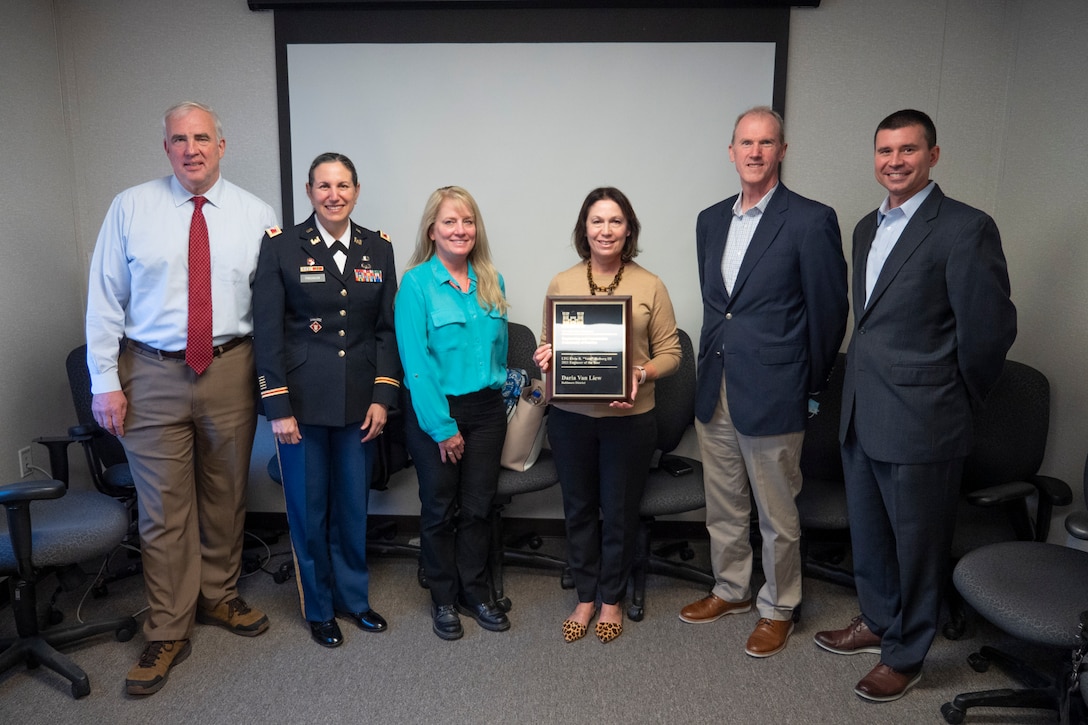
736 469
188 439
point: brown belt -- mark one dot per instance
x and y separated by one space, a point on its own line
180 354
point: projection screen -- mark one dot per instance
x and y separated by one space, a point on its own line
529 115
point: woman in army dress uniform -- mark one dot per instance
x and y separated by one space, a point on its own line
328 370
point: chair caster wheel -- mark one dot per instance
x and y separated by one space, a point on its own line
687 554
952 714
955 628
635 613
566 579
283 573
100 591
978 662
81 688
504 604
421 577
124 634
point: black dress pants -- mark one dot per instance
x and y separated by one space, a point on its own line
602 465
456 498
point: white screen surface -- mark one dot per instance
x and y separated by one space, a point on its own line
529 129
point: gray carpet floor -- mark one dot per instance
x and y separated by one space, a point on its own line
660 670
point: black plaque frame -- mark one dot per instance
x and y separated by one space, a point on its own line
589 376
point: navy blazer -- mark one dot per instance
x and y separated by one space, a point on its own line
776 337
932 341
324 339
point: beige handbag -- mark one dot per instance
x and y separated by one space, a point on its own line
525 429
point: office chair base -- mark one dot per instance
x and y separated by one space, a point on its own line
636 610
1043 692
40 649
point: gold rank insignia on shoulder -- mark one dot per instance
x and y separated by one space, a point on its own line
273 232
384 236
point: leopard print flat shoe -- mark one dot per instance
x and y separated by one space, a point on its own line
608 631
573 631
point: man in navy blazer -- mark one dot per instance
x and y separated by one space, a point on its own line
773 281
932 324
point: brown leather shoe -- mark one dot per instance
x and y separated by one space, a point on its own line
883 684
710 609
235 616
769 637
853 639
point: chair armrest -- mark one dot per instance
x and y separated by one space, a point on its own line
1076 524
1054 490
37 489
58 454
1002 493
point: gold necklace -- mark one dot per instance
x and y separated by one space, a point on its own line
594 289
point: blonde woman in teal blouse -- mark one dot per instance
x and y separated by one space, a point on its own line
450 318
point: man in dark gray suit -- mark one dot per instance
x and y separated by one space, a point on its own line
773 279
932 324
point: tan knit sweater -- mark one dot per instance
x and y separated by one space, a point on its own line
653 334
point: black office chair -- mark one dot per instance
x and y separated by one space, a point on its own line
668 493
105 456
821 505
106 462
47 527
1038 593
541 475
1001 477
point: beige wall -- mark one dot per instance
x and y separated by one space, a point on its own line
84 85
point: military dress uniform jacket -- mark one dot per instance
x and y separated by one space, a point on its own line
324 340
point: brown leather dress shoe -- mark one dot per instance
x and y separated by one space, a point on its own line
883 684
710 609
853 639
769 637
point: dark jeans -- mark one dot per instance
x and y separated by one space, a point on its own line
602 465
456 498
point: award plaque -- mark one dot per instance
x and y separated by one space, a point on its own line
591 349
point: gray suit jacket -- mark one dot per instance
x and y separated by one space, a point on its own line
932 340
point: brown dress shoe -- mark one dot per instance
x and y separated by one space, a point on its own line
769 637
883 684
853 639
710 609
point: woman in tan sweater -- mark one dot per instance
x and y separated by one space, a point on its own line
603 450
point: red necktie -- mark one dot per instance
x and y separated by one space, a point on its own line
198 348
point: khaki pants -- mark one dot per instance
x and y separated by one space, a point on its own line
736 469
188 439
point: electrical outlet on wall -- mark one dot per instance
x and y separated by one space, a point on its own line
25 462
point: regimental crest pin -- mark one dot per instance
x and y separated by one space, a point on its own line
315 324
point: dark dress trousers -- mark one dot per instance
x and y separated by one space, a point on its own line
925 351
325 351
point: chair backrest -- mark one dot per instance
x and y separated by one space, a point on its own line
821 457
1010 429
674 399
522 346
109 450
